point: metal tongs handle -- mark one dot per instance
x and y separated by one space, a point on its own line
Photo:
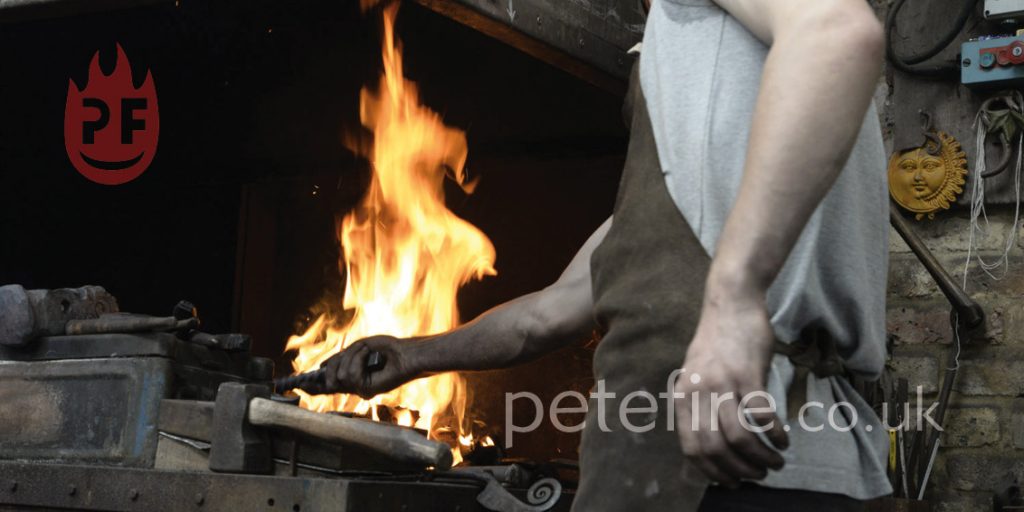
315 382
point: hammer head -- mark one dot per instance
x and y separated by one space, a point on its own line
236 445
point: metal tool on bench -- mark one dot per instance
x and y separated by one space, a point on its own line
183 326
186 311
243 412
26 315
29 314
109 323
315 382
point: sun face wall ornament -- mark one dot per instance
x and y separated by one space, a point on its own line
928 179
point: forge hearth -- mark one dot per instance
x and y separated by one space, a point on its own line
128 421
238 212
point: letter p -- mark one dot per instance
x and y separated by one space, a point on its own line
510 427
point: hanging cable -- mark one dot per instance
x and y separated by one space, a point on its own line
947 70
983 122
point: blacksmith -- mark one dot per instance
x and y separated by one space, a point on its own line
745 259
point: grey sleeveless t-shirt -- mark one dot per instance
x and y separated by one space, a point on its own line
700 72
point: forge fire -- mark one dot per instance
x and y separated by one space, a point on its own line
405 254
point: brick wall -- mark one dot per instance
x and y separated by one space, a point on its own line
983 446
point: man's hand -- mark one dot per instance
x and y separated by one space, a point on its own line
824 56
728 360
347 370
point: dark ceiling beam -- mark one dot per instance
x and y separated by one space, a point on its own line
23 10
586 38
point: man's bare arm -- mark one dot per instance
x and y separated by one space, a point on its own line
512 333
818 79
820 74
524 328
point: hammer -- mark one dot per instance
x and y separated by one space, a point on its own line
240 441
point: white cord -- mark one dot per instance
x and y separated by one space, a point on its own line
978 207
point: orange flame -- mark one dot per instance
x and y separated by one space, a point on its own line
405 253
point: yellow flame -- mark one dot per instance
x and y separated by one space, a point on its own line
405 253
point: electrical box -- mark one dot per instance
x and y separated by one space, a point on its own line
993 62
1003 9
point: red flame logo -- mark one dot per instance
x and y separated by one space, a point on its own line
111 127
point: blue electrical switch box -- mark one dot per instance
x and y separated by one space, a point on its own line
993 62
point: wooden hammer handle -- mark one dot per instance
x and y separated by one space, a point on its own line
397 443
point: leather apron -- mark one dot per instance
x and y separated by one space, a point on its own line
648 283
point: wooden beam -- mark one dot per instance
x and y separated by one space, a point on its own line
25 10
586 38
